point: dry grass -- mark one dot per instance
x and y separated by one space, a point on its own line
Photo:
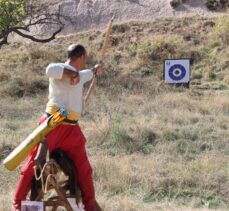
152 147
131 176
171 147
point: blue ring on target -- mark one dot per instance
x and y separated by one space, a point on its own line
174 68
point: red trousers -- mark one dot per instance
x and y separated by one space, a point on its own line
70 139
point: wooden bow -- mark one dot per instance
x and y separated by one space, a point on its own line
102 57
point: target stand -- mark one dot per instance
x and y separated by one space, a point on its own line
177 71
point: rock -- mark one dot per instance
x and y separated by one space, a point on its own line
89 14
175 3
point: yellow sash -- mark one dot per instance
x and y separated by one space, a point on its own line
72 115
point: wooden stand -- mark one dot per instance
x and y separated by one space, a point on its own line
46 179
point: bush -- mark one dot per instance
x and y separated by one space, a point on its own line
15 88
160 48
19 88
4 77
175 3
221 29
217 4
121 140
36 87
197 74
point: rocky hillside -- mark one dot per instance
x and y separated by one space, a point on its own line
152 146
86 14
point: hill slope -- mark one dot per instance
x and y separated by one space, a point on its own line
152 146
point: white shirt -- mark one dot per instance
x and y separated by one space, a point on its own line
61 93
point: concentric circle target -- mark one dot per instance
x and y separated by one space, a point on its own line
177 72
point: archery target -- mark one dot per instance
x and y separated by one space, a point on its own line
177 71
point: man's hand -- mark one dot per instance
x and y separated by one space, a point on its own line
72 75
75 80
97 69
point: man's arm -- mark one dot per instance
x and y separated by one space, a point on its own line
69 73
87 75
60 71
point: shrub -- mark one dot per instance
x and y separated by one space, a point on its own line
175 3
160 48
217 4
221 29
120 28
15 88
35 87
139 140
4 77
197 74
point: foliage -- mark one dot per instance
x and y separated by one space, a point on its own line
19 16
160 47
12 13
221 29
217 4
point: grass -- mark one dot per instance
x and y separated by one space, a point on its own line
152 146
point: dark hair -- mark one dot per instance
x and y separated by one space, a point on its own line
76 51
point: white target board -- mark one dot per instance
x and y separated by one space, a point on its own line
177 71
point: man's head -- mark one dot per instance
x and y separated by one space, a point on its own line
77 56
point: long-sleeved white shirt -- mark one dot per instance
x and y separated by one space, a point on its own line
61 93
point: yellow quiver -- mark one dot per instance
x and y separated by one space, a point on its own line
23 149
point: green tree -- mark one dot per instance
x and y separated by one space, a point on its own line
20 16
